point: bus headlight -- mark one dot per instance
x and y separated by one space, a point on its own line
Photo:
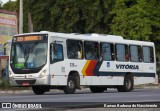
42 74
10 74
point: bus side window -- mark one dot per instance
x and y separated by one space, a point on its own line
135 53
122 52
74 49
56 51
91 50
148 55
107 51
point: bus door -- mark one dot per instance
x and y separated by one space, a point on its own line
57 68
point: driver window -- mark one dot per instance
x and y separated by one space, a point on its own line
56 52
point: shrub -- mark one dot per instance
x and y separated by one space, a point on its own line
4 84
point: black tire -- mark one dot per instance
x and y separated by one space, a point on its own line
128 84
97 89
38 90
71 85
120 89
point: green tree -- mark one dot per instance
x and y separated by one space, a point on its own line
10 6
71 16
136 19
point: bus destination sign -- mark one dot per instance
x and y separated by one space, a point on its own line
28 38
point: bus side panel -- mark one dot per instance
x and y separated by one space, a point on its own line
58 80
58 73
149 67
85 80
111 80
101 80
143 80
104 75
96 80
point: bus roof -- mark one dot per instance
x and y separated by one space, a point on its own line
93 37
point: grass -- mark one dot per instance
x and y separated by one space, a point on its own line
4 84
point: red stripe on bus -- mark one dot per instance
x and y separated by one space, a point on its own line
90 68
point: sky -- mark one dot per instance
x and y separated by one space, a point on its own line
4 1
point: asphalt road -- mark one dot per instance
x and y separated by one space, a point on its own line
85 98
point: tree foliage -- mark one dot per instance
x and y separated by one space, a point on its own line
132 19
136 19
85 16
10 6
0 5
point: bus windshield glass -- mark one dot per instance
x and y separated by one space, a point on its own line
28 52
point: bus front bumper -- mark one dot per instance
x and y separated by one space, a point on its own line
28 81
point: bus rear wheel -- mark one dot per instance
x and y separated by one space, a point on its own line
38 90
97 89
128 84
71 86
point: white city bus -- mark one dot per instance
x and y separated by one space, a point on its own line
47 60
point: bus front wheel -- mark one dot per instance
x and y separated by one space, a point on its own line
38 90
71 86
128 84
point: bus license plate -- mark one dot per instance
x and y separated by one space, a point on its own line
25 83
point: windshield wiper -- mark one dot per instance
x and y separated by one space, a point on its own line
29 51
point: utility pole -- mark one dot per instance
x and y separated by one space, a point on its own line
21 17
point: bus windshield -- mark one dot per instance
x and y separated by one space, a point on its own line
30 54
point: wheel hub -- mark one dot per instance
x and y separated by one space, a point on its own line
71 84
128 83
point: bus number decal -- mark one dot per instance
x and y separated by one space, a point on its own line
73 65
